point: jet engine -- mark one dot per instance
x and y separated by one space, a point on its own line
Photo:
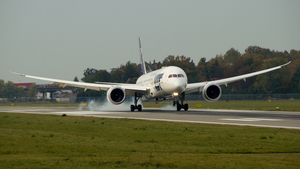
211 92
116 95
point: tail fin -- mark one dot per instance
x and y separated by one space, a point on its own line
143 65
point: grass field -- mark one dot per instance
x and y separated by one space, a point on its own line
49 141
273 105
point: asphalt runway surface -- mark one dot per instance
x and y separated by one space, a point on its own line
273 119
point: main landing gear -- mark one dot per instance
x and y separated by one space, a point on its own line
181 105
135 106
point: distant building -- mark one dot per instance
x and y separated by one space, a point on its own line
52 91
26 86
70 98
155 66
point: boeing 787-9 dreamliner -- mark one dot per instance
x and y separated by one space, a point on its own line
166 82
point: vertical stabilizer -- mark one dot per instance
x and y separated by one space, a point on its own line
143 65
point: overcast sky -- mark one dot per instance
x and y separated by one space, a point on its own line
60 39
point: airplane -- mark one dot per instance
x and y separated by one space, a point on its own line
166 82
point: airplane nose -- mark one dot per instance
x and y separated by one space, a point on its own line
178 85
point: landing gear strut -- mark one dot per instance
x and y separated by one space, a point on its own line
135 106
181 105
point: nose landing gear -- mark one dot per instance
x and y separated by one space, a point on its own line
181 105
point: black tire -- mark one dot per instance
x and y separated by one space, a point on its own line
139 107
186 107
178 107
132 107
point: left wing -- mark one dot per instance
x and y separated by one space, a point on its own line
129 88
193 87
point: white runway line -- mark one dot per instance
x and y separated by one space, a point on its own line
28 110
87 113
252 119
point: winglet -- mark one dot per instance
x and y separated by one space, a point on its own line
143 65
19 74
286 64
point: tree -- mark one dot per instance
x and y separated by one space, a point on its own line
231 56
20 92
295 81
102 76
275 81
9 90
130 72
1 87
88 75
76 79
201 76
219 67
253 49
117 75
31 91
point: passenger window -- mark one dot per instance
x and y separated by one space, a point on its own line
179 75
174 75
170 76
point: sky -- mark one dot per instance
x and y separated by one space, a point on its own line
60 39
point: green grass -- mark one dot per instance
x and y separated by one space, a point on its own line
49 141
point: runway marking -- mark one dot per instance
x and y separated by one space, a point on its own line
84 113
30 110
252 119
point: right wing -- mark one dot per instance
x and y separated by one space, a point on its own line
193 87
129 88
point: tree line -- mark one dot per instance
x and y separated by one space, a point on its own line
232 63
9 90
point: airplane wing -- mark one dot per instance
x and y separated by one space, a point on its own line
129 88
193 87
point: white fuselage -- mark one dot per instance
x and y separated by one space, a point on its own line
164 82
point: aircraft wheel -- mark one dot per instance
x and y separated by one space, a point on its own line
139 107
186 107
178 107
132 107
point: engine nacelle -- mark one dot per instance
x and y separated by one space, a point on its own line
211 92
116 95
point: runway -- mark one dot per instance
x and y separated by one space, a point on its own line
273 119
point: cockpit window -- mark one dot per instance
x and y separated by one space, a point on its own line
175 75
